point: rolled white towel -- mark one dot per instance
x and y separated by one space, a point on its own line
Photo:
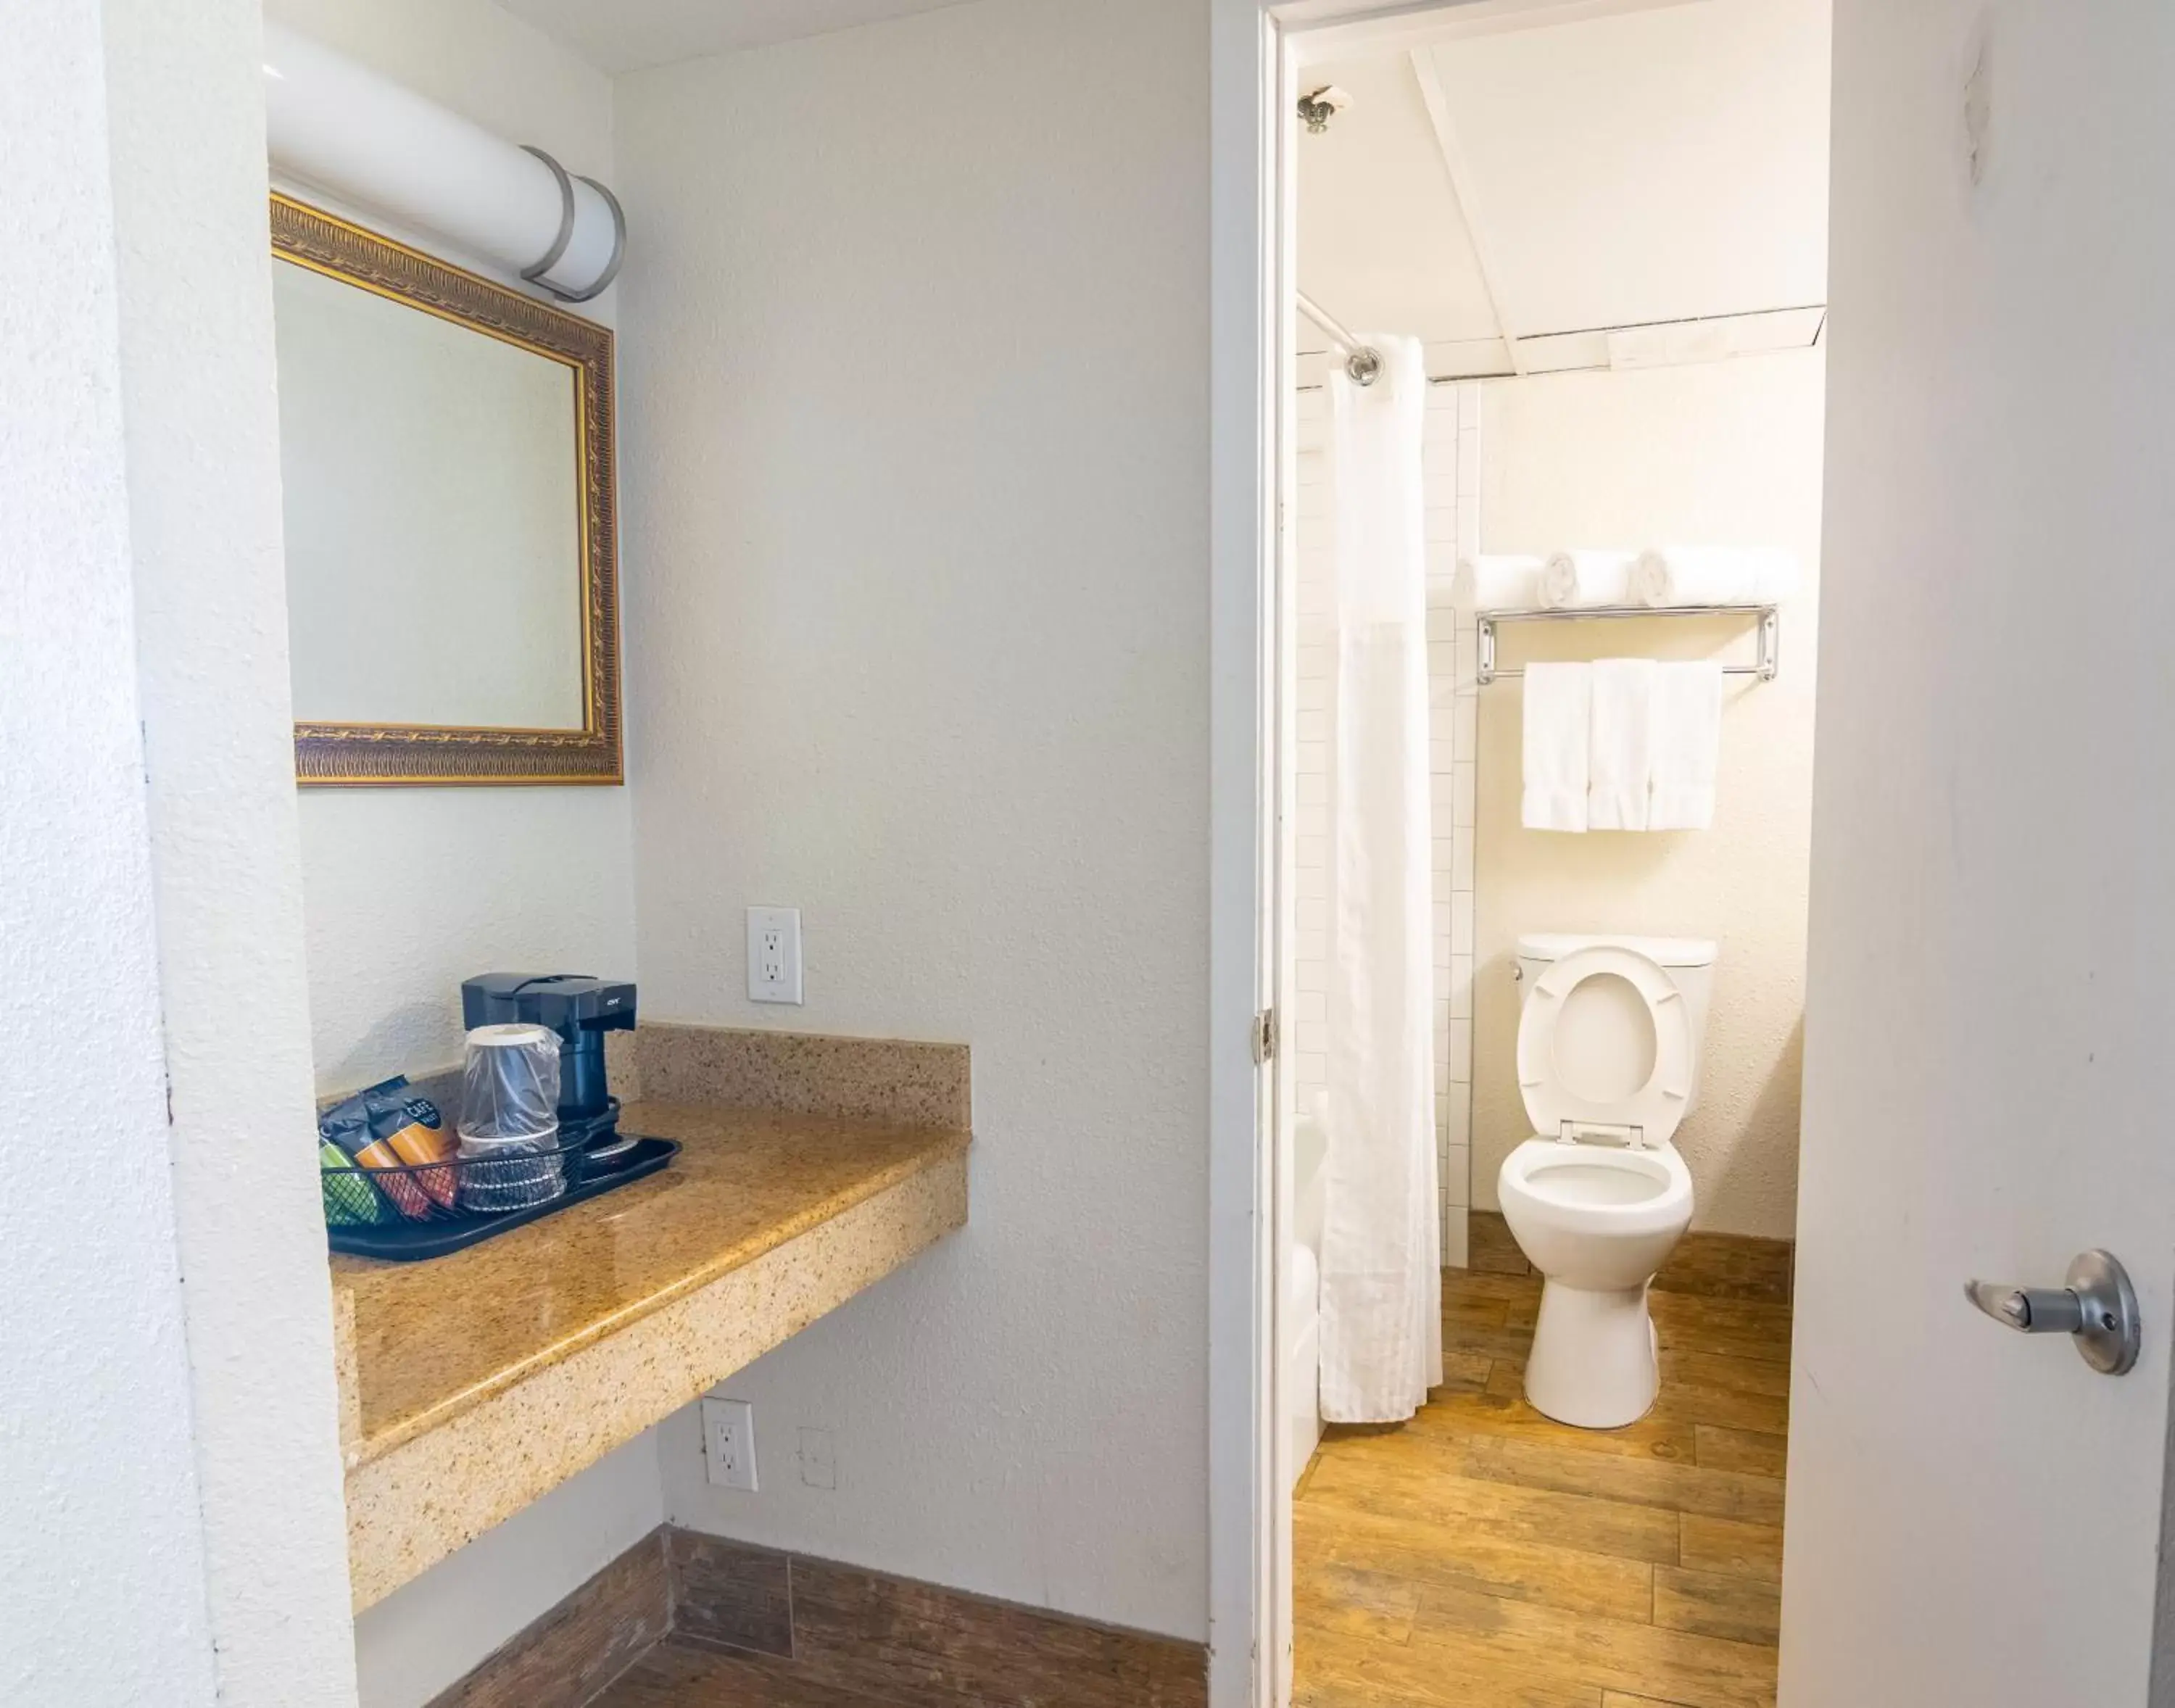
1698 575
1490 583
1582 579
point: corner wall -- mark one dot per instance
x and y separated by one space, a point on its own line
1727 452
97 1451
185 90
916 455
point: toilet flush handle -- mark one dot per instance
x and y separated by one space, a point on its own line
2097 1309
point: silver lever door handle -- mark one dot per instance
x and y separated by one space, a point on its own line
2029 1309
2097 1309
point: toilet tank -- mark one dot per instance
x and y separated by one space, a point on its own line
1689 961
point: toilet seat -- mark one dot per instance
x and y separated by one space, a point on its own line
1586 1189
1647 1116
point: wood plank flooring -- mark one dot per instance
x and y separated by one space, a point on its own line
1482 1556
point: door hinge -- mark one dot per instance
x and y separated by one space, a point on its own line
1265 1037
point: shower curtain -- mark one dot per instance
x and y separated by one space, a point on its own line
1381 1277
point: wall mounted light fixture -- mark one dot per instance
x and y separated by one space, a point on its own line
378 144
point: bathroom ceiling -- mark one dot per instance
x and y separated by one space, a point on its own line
625 34
1666 165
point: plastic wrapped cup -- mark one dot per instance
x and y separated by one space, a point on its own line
510 1083
509 1125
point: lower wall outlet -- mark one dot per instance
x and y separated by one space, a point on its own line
729 1443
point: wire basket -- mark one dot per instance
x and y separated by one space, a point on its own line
518 1176
463 1200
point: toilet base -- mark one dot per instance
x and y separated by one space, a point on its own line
1593 1362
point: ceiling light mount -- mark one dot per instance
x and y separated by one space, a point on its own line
1320 105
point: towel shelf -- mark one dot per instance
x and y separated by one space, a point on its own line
1771 631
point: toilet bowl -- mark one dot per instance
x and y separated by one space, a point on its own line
1596 1224
1609 1051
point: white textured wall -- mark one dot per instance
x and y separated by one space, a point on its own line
198 403
411 889
916 475
96 1451
1726 452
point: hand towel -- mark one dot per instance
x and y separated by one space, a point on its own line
1498 583
1687 744
1558 709
1620 750
1697 575
1582 579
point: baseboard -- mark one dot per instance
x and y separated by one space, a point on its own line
867 1635
574 1652
1715 1266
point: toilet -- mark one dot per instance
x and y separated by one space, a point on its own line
1610 1031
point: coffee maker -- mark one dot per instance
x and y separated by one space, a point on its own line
581 1010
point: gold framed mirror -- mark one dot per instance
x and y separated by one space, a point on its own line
448 464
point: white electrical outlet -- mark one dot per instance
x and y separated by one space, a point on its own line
773 954
729 1442
819 1464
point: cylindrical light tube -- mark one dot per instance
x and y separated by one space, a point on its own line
378 143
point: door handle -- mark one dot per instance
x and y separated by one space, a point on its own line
2097 1309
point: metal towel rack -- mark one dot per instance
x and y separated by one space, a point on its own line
1771 630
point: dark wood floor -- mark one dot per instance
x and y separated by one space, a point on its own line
1484 1557
678 1673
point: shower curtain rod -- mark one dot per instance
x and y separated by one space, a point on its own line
1364 364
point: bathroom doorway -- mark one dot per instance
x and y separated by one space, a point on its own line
1981 1092
1576 351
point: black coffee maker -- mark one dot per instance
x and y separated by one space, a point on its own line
581 1010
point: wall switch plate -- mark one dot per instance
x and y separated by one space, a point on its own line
729 1443
773 954
819 1464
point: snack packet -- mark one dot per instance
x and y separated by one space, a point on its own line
386 1127
351 1200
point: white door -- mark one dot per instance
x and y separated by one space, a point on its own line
1990 1031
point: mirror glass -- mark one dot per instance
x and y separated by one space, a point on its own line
452 574
433 511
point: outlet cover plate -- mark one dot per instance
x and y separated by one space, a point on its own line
729 1442
773 954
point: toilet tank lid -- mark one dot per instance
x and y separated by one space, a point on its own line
1663 951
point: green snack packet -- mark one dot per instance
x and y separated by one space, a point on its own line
351 1200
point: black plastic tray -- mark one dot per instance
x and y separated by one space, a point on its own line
406 1242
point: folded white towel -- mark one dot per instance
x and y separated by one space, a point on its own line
1686 746
1618 751
1558 709
1498 583
1697 575
1580 579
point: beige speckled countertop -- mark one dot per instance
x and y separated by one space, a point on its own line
470 1383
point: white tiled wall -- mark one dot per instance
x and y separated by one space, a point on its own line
1452 458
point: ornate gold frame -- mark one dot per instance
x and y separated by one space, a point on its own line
351 754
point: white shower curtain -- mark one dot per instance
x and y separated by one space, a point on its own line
1381 1277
